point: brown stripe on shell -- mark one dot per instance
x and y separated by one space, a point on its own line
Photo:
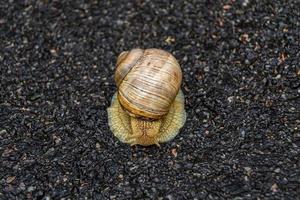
149 88
125 62
138 95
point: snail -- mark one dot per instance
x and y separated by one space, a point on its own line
148 107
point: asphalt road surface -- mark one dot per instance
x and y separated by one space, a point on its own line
241 66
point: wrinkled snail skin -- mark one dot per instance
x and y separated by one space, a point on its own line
148 107
134 130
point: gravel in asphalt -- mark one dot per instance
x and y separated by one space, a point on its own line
240 61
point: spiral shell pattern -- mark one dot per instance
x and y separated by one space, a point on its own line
148 82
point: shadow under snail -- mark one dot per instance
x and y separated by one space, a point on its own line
148 107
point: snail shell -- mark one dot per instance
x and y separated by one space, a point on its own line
148 82
148 107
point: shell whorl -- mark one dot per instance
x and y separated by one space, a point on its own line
148 82
125 62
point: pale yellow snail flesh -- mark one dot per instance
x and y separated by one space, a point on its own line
148 107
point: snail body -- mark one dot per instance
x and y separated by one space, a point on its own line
148 107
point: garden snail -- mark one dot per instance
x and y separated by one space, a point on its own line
148 107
